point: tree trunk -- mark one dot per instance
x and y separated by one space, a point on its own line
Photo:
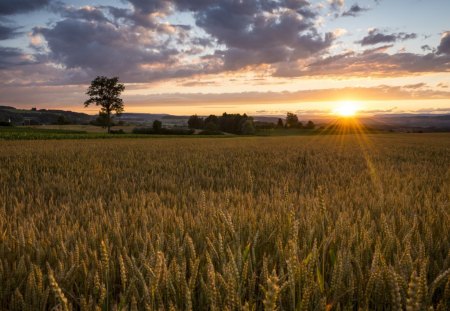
109 121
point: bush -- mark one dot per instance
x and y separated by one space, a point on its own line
62 120
157 126
247 127
162 131
196 122
166 131
120 131
4 123
210 132
143 130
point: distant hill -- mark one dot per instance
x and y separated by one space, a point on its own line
425 122
42 116
148 118
48 116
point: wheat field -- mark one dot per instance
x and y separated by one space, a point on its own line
337 222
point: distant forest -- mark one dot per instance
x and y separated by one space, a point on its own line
11 115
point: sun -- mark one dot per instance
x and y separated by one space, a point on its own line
347 109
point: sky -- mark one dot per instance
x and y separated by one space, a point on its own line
260 57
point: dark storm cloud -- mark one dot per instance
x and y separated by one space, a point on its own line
8 32
444 46
375 36
354 10
10 7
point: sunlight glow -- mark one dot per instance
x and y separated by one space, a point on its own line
347 109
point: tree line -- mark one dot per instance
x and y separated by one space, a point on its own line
292 121
243 124
230 123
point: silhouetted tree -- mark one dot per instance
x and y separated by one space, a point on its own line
62 120
105 92
157 125
248 127
195 122
310 125
101 120
212 123
264 125
291 120
280 123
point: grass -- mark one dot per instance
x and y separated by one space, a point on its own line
34 133
333 222
29 133
50 132
85 128
286 132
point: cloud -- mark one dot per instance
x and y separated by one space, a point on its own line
259 32
236 35
370 63
433 110
199 83
101 48
12 57
88 13
8 32
74 95
378 49
140 43
355 10
339 32
148 7
110 41
336 5
444 46
10 7
377 111
375 36
426 48
381 92
415 86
